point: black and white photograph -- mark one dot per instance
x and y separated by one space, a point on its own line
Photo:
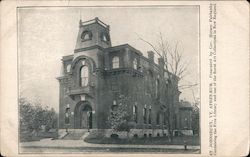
109 79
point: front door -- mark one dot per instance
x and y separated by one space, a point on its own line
83 116
86 118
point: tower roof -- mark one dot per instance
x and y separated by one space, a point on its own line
95 20
92 33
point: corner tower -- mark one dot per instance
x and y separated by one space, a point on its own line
92 34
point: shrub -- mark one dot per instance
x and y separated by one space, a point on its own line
34 116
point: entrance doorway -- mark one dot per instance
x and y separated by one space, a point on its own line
86 118
83 116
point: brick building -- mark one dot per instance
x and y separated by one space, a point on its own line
97 73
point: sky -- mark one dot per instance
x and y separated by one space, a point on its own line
45 34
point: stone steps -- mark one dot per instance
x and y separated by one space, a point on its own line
75 135
62 135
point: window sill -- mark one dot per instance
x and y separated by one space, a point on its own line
83 40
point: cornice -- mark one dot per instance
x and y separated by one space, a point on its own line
88 48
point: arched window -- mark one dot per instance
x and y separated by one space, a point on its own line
68 68
145 115
105 37
135 63
115 62
84 76
135 113
86 35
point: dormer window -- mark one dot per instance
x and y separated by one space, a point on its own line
115 62
86 35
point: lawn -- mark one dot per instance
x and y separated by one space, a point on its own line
190 140
27 137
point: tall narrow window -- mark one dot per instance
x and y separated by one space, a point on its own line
135 63
149 116
157 88
84 76
115 62
165 118
135 113
68 68
67 115
147 84
145 115
158 119
186 123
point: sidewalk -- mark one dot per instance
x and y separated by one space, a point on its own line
48 143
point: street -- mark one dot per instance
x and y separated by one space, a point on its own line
79 146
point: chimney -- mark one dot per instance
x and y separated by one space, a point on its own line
151 56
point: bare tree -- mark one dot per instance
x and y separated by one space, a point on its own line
176 69
171 55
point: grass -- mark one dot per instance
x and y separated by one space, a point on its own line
190 140
27 137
